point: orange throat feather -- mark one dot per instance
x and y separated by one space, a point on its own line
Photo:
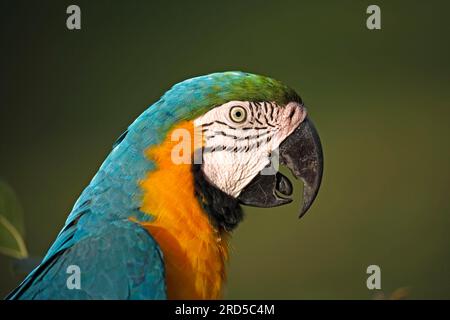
195 252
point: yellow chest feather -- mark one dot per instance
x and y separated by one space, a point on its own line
194 252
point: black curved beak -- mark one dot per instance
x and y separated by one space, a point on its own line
302 153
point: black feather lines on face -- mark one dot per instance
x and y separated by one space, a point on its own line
261 118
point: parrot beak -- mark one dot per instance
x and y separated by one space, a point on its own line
301 152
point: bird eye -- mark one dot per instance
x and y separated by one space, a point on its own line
238 114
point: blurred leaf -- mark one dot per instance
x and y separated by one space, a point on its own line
12 229
401 293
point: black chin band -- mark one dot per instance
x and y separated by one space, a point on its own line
223 210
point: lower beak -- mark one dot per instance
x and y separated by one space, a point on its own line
301 152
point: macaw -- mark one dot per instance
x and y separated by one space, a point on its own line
155 220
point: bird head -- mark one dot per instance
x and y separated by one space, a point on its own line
248 125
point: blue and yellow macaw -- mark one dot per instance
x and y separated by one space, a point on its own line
155 220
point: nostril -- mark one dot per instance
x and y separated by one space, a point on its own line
301 113
292 113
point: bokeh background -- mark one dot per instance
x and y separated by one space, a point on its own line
380 100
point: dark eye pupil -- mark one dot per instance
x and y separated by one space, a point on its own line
238 114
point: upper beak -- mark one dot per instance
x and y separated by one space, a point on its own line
301 152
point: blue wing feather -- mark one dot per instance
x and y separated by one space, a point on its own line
120 261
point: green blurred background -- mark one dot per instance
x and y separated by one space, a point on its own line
380 100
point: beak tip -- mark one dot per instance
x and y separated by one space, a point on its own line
305 208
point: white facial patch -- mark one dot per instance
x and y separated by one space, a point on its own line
240 137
